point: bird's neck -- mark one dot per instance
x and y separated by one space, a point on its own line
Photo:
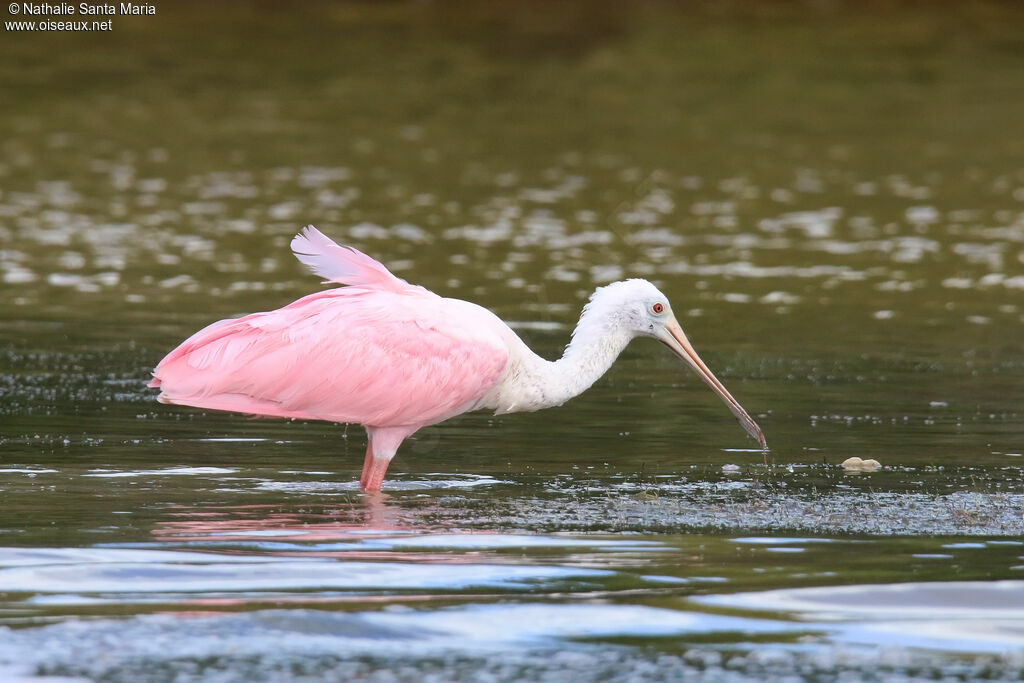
593 349
537 383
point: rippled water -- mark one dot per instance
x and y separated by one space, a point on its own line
832 196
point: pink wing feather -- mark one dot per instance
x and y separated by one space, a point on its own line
344 265
381 353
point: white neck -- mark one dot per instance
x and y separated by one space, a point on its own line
533 383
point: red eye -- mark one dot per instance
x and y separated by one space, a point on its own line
657 308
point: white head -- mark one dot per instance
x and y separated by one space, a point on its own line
639 309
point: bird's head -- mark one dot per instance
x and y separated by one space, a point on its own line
639 308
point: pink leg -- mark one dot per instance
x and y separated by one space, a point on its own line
372 477
382 444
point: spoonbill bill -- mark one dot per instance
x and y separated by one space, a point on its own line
396 357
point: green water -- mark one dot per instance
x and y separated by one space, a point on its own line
832 195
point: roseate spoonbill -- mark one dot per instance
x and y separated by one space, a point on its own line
395 357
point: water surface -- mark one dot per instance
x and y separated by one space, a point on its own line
832 197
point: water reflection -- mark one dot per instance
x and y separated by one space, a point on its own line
375 528
961 616
266 528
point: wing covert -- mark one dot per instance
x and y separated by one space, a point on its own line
348 355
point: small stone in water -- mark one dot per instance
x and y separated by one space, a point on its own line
730 468
858 465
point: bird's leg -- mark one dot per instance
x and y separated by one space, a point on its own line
374 470
368 470
382 444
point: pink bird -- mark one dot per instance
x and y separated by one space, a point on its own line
396 357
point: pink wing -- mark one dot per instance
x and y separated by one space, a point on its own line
381 352
346 355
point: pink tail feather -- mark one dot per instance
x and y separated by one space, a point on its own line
344 265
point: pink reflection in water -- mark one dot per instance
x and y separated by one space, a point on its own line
353 523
